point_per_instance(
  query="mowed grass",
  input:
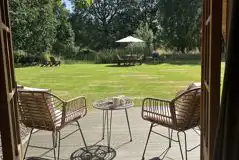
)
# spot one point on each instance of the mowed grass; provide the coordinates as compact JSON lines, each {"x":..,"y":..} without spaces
{"x":96,"y":81}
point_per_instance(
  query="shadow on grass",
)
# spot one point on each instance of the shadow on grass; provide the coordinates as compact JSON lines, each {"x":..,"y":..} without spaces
{"x":178,"y":62}
{"x":171,"y":61}
{"x":119,"y":66}
{"x":184,"y":62}
{"x":96,"y":152}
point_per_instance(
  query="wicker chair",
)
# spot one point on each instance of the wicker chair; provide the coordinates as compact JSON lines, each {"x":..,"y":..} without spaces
{"x":54,"y":62}
{"x":43,"y":110}
{"x":180,"y":114}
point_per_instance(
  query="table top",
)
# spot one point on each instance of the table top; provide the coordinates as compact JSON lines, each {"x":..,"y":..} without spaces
{"x":107,"y":104}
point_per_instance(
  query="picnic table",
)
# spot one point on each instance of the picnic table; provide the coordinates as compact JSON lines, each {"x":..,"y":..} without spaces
{"x":130,"y":59}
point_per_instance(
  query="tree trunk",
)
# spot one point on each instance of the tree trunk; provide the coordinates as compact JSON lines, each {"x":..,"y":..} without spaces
{"x":182,"y":49}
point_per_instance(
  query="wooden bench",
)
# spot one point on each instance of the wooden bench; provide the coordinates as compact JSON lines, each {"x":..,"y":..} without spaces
{"x":121,"y":60}
{"x":138,"y":60}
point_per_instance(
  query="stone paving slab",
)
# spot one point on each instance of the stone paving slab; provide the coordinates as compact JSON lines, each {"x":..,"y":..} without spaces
{"x":122,"y":149}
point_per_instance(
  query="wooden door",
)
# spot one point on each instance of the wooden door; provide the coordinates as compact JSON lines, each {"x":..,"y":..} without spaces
{"x":210,"y":76}
{"x":9,"y":125}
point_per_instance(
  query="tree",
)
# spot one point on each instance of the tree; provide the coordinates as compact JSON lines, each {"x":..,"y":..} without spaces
{"x":179,"y":24}
{"x":64,"y":33}
{"x":33,"y":25}
{"x":99,"y":24}
{"x":146,"y":34}
{"x":148,"y":13}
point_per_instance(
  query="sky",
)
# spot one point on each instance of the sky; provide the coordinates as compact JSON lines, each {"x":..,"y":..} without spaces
{"x":68,"y":4}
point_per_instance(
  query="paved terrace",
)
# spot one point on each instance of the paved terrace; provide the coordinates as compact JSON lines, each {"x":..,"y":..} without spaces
{"x":122,"y":149}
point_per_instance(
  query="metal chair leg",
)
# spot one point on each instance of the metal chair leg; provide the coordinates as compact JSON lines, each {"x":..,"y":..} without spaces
{"x":108,"y":127}
{"x":82,"y":134}
{"x":54,"y":143}
{"x":150,"y":130}
{"x":59,"y":145}
{"x":180,"y":146}
{"x":127,"y":118}
{"x":170,"y":135}
{"x":103,"y":128}
{"x":28,"y":143}
{"x":109,"y":130}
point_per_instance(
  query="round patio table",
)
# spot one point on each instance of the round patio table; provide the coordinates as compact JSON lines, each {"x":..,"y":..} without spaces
{"x":106,"y":105}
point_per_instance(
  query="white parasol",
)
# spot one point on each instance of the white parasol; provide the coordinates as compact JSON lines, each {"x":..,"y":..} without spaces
{"x":129,"y":39}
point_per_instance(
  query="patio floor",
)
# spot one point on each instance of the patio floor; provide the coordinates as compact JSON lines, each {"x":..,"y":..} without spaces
{"x":121,"y":147}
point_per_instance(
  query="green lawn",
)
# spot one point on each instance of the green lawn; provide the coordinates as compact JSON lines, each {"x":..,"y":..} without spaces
{"x":97,"y":81}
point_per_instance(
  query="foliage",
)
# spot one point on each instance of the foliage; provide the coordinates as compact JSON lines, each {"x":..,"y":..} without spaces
{"x":64,"y":34}
{"x":102,"y":23}
{"x":179,"y":24}
{"x":86,"y":54}
{"x":18,"y":55}
{"x":41,"y":26}
{"x":21,"y":58}
{"x":110,"y":55}
{"x":33,"y":25}
{"x":148,"y":13}
{"x":136,"y":48}
{"x":146,"y":34}
{"x":106,"y":56}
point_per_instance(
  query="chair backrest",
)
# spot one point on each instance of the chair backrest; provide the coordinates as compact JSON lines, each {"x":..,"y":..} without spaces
{"x":187,"y":108}
{"x":141,"y":57}
{"x":119,"y":58}
{"x":52,"y":59}
{"x":38,"y":109}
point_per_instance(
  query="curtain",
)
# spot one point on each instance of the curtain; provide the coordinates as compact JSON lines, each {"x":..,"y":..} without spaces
{"x":227,"y":139}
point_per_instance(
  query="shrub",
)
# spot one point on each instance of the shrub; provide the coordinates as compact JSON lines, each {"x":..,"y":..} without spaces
{"x":145,"y":33}
{"x":182,"y":56}
{"x":109,"y":55}
{"x":19,"y":56}
{"x":45,"y":56}
{"x":137,"y":48}
{"x":86,"y":54}
{"x":65,"y":51}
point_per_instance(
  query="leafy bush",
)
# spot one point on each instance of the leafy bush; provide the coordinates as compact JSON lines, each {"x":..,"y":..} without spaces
{"x":181,"y":56}
{"x":86,"y":54}
{"x":106,"y":56}
{"x":45,"y":57}
{"x":137,"y":48}
{"x":63,"y":50}
{"x":19,"y":56}
{"x":146,"y":34}
{"x":109,"y":55}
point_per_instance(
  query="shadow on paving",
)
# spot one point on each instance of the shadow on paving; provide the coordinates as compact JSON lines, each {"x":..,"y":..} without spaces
{"x":155,"y":158}
{"x":37,"y":158}
{"x":96,"y":152}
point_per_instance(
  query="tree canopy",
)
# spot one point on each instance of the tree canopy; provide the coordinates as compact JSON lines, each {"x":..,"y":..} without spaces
{"x":47,"y":25}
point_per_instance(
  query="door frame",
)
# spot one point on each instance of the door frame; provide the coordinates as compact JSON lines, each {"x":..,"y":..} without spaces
{"x":9,"y":122}
{"x":210,"y":74}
